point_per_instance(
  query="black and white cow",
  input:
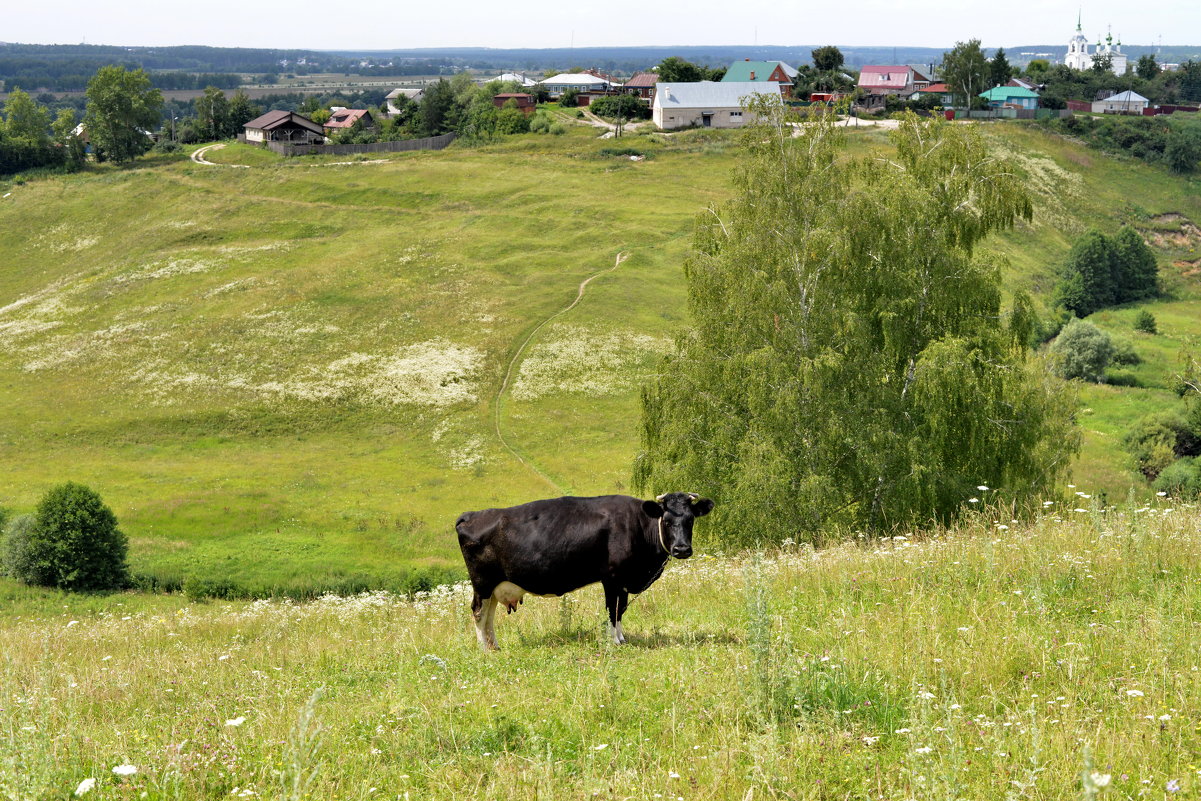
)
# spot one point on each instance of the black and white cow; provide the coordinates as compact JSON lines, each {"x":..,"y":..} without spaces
{"x":552,"y":547}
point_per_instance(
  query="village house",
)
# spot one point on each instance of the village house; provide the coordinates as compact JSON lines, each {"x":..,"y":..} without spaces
{"x":513,"y":77}
{"x":707,"y":104}
{"x":284,"y":126}
{"x":391,"y":97}
{"x":940,"y":90}
{"x":879,"y":81}
{"x":340,"y":119}
{"x":1128,"y":102}
{"x":582,"y":82}
{"x":642,"y":84}
{"x":1010,"y":97}
{"x":777,"y":72}
{"x":525,"y":103}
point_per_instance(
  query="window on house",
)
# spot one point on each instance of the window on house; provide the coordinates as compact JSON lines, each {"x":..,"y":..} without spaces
{"x":735,"y":115}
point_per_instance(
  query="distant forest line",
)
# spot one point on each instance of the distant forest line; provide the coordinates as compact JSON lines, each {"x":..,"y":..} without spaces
{"x":67,"y":68}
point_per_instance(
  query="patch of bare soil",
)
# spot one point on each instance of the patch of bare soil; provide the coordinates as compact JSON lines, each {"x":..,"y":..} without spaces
{"x":1187,"y":235}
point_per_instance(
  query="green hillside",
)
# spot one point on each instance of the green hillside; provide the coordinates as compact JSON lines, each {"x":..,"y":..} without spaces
{"x":289,"y":374}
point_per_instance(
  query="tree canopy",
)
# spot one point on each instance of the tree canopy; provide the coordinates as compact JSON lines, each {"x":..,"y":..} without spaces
{"x":966,"y":71}
{"x":999,"y":70}
{"x":122,"y":109}
{"x":1103,"y":271}
{"x":827,"y":58}
{"x":849,"y":364}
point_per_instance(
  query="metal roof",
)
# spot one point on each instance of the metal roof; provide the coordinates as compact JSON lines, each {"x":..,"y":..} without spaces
{"x":274,"y":119}
{"x":710,"y":94}
{"x":575,"y":79}
{"x":346,"y":117}
{"x":513,"y":76}
{"x":888,"y":76}
{"x":741,"y":71}
{"x":1006,"y":92}
{"x":1127,"y":97}
{"x":642,"y":80}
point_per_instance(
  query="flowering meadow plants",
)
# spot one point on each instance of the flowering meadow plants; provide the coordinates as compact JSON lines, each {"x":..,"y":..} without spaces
{"x":1048,"y":658}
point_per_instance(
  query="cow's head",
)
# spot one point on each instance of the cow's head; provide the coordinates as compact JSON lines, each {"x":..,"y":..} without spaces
{"x":675,"y":512}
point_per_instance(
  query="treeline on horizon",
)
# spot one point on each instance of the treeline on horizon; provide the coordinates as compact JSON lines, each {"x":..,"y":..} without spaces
{"x":67,"y":68}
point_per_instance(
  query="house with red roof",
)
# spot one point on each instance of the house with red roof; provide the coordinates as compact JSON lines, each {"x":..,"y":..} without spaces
{"x":939,"y":90}
{"x":342,"y":118}
{"x":879,"y":81}
{"x":642,"y":84}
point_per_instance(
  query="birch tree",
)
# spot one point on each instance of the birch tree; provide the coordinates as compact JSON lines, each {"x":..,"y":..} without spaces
{"x":849,"y":365}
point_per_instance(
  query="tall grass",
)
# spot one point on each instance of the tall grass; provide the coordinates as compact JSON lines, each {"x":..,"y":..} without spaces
{"x":1054,"y":658}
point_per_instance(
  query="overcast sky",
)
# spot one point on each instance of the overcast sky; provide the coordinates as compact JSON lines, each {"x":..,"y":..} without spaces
{"x":380,"y":24}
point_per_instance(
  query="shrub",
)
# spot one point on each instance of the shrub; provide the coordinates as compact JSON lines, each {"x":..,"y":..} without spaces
{"x":15,"y":561}
{"x":1145,"y":322}
{"x":1125,"y":354}
{"x":1181,"y":479}
{"x":1158,"y":439}
{"x":1082,"y":351}
{"x":73,"y":543}
{"x":558,"y":129}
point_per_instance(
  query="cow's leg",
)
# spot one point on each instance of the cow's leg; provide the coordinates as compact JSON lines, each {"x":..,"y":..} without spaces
{"x":623,"y":602}
{"x":483,"y":610}
{"x":616,"y":600}
{"x":490,"y":624}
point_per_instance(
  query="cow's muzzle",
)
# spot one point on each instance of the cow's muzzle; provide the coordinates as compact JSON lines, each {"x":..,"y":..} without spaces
{"x":681,"y":552}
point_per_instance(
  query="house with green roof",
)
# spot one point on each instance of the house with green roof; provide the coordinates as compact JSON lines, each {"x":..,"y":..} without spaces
{"x":747,"y":71}
{"x":1010,"y":97}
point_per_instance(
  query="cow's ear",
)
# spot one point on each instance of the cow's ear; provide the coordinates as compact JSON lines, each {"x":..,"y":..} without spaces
{"x":701,"y":507}
{"x":652,"y":509}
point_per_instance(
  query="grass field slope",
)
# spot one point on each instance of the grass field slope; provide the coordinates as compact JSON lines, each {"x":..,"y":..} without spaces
{"x":294,"y":374}
{"x":1048,"y":660}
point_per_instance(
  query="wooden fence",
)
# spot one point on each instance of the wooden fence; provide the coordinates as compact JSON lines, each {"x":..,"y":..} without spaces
{"x":404,"y":145}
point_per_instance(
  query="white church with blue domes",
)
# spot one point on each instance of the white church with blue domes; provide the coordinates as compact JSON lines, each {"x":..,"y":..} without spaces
{"x":1078,"y":57}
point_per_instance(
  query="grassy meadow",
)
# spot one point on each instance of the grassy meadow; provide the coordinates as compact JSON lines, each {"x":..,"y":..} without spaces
{"x":1055,"y":658}
{"x":288,"y":377}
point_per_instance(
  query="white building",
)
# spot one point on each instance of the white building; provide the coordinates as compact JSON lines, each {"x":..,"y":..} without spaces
{"x":708,"y":104}
{"x":579,"y":81}
{"x":1128,"y":102}
{"x":512,"y":77}
{"x":1078,"y":57}
{"x":1117,"y":59}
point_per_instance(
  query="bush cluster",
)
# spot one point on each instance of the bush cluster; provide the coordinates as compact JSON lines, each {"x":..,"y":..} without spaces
{"x":1104,"y":271}
{"x":1166,"y":140}
{"x":1082,"y":351}
{"x":71,"y":542}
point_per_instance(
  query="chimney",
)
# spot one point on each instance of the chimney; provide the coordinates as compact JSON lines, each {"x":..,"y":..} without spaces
{"x":746,"y":59}
{"x":752,"y":75}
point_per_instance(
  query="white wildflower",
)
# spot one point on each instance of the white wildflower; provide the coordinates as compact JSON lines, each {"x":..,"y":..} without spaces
{"x":238,"y":721}
{"x":125,"y":770}
{"x":1135,"y":693}
{"x":85,"y":786}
